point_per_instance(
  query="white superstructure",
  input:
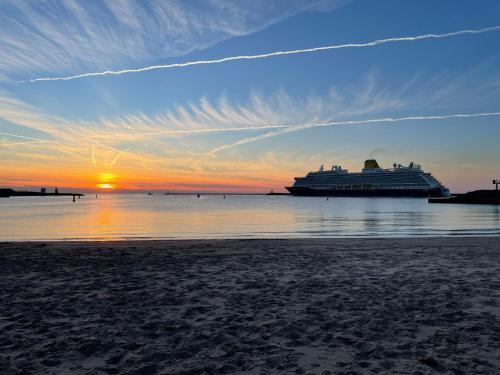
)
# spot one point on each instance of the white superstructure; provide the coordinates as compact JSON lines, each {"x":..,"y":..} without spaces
{"x":400,"y":180}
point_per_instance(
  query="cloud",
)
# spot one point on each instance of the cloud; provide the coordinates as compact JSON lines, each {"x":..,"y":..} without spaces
{"x":269,"y":55}
{"x":177,"y":136}
{"x":70,"y":35}
{"x":182,"y":135}
{"x":18,"y":112}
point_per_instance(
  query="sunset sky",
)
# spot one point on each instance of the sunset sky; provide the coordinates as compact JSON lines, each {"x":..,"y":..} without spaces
{"x":244,"y":125}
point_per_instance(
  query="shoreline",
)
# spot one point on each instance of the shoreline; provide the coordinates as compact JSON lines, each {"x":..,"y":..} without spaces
{"x":256,"y":238}
{"x":316,"y":306}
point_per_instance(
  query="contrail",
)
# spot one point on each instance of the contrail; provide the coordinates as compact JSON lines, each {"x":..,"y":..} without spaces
{"x":293,"y":128}
{"x":22,"y":136}
{"x":92,"y":156}
{"x":272,"y":54}
{"x":115,"y":159}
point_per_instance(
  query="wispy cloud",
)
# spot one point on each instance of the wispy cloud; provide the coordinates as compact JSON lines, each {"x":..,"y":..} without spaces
{"x":259,"y":113}
{"x":70,"y":35}
{"x":174,"y":141}
{"x":177,"y":136}
{"x":204,"y":117}
{"x":271,"y":54}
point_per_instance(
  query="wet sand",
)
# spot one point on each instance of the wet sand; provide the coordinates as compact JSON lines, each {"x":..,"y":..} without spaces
{"x":340,"y":306}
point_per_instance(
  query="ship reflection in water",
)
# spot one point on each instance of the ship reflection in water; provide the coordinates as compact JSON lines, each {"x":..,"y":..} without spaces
{"x":137,"y":216}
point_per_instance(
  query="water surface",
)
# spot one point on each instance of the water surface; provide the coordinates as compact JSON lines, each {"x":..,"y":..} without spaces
{"x":133,"y":216}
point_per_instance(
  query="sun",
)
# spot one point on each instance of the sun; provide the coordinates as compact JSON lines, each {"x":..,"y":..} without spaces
{"x":105,"y":180}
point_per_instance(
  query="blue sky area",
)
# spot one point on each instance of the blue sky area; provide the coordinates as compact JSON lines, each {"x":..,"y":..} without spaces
{"x":123,"y":124}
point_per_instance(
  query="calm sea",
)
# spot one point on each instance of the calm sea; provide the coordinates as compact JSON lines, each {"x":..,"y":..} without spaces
{"x":249,"y":216}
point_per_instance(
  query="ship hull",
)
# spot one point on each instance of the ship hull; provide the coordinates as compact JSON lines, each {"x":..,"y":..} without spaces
{"x":302,"y":191}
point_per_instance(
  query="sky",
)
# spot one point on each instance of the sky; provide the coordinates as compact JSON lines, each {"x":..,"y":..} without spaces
{"x":199,"y":121}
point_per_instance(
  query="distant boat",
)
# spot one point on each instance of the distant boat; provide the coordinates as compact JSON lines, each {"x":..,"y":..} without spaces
{"x":273,"y":193}
{"x":150,"y":193}
{"x":410,"y":181}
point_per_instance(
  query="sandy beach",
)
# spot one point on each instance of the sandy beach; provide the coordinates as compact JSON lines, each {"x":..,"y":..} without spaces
{"x":342,"y":306}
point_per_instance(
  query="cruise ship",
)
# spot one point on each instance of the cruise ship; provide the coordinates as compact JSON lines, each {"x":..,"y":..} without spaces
{"x":399,"y":181}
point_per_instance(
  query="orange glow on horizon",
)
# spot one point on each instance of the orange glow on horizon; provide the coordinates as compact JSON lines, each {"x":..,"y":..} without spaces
{"x":75,"y":178}
{"x":105,"y":186}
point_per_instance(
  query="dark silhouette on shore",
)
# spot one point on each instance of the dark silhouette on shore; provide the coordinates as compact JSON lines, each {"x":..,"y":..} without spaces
{"x":6,"y":193}
{"x":473,"y":197}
